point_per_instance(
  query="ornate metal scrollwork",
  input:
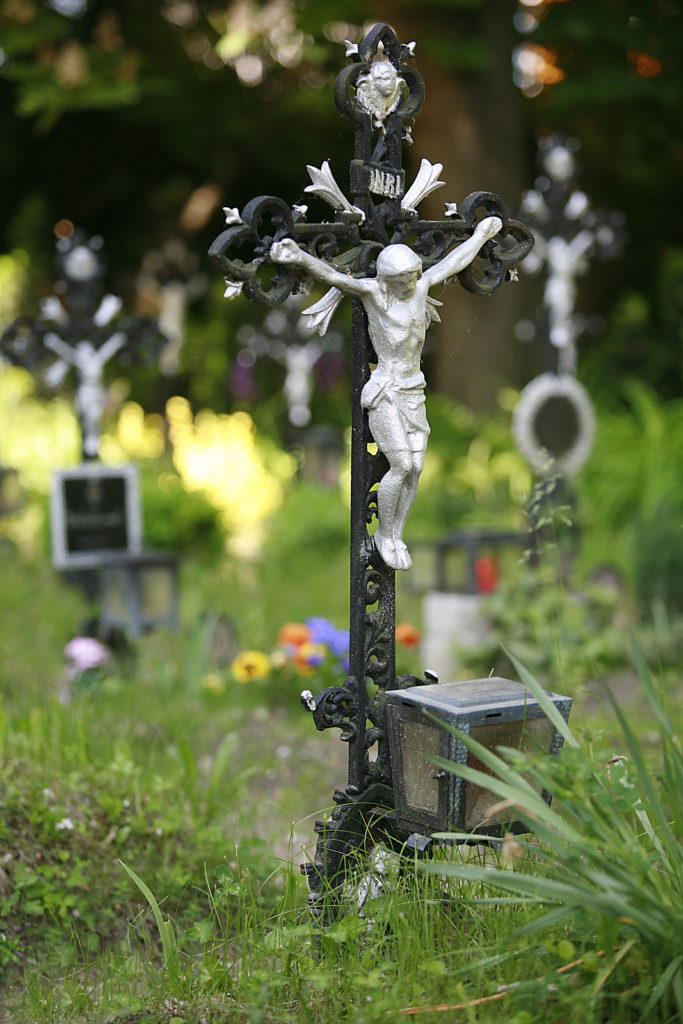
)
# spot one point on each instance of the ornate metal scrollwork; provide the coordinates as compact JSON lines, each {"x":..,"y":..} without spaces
{"x":334,"y":708}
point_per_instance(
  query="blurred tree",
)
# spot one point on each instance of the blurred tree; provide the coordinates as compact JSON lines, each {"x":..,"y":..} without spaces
{"x":610,"y":74}
{"x":138,"y":121}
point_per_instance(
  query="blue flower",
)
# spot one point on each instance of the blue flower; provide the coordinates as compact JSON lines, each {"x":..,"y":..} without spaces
{"x":325,"y":632}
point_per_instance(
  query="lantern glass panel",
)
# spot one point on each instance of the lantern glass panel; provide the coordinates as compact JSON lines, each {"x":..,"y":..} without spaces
{"x":528,"y":736}
{"x":115,"y":595}
{"x":422,"y":576}
{"x":419,"y":741}
{"x":156,"y":593}
{"x":454,"y":570}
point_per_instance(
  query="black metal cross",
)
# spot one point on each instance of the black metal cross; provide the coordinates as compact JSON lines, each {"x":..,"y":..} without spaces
{"x":83,"y":334}
{"x":380,"y":212}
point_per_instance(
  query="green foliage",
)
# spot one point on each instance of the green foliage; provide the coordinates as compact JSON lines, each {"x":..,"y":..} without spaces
{"x":196,"y":795}
{"x":610,"y":857}
{"x":313,"y":519}
{"x":567,"y":634}
{"x":175,"y":519}
{"x":644,"y":337}
{"x":166,"y":932}
{"x":55,"y":610}
{"x":631,"y":494}
{"x":473,"y":474}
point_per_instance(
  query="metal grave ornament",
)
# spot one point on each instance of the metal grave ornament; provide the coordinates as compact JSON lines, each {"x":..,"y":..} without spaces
{"x":84,"y":332}
{"x":554,"y":423}
{"x":288,"y":339}
{"x":379,"y":251}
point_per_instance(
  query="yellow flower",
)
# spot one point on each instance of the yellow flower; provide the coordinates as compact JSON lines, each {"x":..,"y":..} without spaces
{"x":213,"y":682}
{"x":250,"y":665}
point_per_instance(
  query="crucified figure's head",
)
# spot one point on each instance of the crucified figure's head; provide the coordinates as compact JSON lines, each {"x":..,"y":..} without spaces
{"x":399,"y":269}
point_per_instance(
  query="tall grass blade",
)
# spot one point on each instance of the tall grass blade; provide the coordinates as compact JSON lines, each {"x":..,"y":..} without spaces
{"x":166,"y":934}
{"x":542,"y":697}
{"x":667,"y":977}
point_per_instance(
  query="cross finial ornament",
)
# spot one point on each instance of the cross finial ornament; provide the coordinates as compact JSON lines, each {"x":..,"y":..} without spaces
{"x":381,"y":253}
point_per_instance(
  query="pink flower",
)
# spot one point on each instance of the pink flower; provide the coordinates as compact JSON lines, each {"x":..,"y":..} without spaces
{"x":83,"y":653}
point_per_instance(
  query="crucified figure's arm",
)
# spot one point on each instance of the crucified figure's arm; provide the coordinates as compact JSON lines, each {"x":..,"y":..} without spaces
{"x":60,"y":348}
{"x":111,"y":347}
{"x":287,"y":251}
{"x":463,"y":254}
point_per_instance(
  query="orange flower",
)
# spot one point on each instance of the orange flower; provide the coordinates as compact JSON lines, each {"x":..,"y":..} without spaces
{"x":407,"y":635}
{"x":308,"y":656}
{"x":293,"y":634}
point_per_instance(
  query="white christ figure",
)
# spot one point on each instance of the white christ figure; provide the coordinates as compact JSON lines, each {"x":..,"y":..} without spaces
{"x":565,"y":262}
{"x":89,"y":363}
{"x":399,"y":310}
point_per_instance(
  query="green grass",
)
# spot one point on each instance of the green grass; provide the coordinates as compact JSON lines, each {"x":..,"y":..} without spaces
{"x":149,"y":802}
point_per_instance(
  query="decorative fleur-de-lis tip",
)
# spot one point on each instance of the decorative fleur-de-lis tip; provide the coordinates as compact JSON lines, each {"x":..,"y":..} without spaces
{"x":451,"y":209}
{"x":232,"y":215}
{"x":426,"y":181}
{"x":232,"y":288}
{"x":299,"y":210}
{"x":325,"y":186}
{"x":351,"y":48}
{"x":513,"y":274}
{"x":410,"y":47}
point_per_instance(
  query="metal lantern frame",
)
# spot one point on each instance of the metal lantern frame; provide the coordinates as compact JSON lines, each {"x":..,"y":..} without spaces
{"x":469,"y":706}
{"x":123,"y":586}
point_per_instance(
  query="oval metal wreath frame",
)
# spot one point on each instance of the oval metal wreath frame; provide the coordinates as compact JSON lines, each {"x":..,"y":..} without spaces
{"x":534,"y":395}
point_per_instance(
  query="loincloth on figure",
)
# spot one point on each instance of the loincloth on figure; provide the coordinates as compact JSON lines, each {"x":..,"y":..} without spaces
{"x":406,"y":397}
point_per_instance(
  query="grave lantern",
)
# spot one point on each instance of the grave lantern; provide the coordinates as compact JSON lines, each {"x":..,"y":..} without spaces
{"x":455,"y":574}
{"x":139,"y":592}
{"x":495,"y":712}
{"x":323,"y":448}
{"x":466,"y":561}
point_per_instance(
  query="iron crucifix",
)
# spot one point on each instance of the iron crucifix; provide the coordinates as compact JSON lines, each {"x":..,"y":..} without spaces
{"x":382,"y":254}
{"x":84,"y":334}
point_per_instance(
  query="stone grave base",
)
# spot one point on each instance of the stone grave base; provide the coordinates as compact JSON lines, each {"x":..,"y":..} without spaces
{"x":450,"y":621}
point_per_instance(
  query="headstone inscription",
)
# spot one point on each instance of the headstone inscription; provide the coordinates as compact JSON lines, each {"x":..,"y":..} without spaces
{"x":381,"y":253}
{"x":95,"y":514}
